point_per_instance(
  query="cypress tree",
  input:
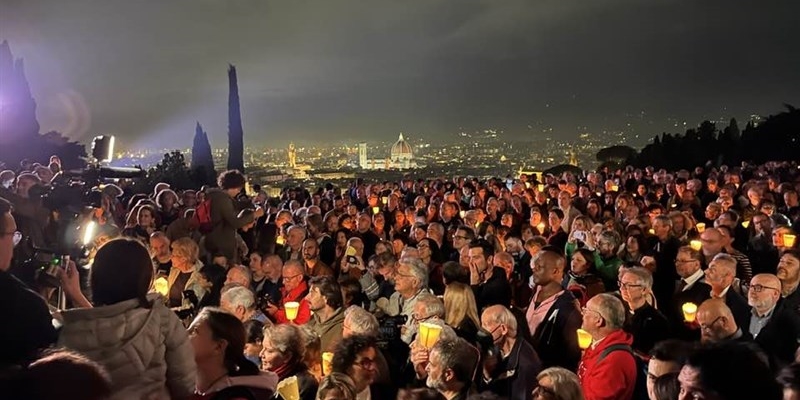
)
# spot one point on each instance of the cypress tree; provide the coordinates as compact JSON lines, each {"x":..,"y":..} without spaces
{"x":202,"y":159}
{"x":235,"y":131}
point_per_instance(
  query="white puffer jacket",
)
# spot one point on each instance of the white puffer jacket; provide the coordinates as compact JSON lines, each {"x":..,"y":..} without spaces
{"x":146,"y":351}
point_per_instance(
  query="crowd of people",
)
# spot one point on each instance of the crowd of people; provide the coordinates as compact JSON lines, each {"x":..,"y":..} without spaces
{"x":629,"y":284}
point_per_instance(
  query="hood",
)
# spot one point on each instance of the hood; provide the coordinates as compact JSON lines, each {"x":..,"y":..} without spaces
{"x":264,"y":380}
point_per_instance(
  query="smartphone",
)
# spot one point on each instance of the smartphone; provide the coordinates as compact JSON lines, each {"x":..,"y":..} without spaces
{"x":579,"y":235}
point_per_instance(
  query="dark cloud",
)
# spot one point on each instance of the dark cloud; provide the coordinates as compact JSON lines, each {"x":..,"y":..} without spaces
{"x":351,"y":69}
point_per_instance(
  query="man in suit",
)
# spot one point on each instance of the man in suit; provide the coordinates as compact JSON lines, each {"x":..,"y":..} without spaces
{"x":224,"y":219}
{"x":720,"y":276}
{"x":691,"y":288}
{"x":775,"y":328}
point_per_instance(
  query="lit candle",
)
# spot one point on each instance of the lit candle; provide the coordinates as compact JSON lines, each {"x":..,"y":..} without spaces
{"x":584,"y":339}
{"x":161,"y":286}
{"x":745,"y":224}
{"x":540,"y":227}
{"x":696,"y":245}
{"x":288,"y":388}
{"x":385,"y":200}
{"x":429,"y":334}
{"x":689,"y":311}
{"x":540,"y":187}
{"x":327,"y":361}
{"x":651,"y":231}
{"x":701,"y":226}
{"x":788,"y":240}
{"x":291,"y":310}
{"x":376,"y":210}
{"x":614,"y":188}
{"x":280,"y":240}
{"x":462,"y":213}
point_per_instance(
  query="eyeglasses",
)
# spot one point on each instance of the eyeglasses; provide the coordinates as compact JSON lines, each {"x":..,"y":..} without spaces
{"x":460,"y":237}
{"x":711,"y":325}
{"x":365,"y":363}
{"x":584,"y":310}
{"x":288,"y":278}
{"x":15,"y":238}
{"x":760,"y":288}
{"x":629,"y":286}
{"x":417,"y":318}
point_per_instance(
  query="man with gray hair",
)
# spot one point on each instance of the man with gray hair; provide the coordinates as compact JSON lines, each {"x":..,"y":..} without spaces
{"x":609,"y":354}
{"x":512,"y":372}
{"x":241,"y":302}
{"x":721,"y":276}
{"x":450,"y":368}
{"x":411,"y":279}
{"x":647,"y":325}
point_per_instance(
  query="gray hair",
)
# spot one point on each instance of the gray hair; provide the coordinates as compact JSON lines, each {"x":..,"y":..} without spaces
{"x":433,"y":305}
{"x":458,"y":356}
{"x":295,"y":264}
{"x":726,"y":260}
{"x":611,"y":309}
{"x":500,"y":314}
{"x":644,"y":276}
{"x":417,"y":268}
{"x":244,"y":270}
{"x":565,"y":383}
{"x":287,"y":339}
{"x":238,"y":295}
{"x":361,"y":321}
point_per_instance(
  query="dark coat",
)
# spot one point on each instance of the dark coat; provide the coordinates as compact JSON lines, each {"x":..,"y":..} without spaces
{"x":28,"y":326}
{"x":515,"y":376}
{"x":697,"y":294}
{"x":739,"y":308}
{"x":648,"y":327}
{"x":555,"y":340}
{"x":779,"y":337}
{"x":496,"y":290}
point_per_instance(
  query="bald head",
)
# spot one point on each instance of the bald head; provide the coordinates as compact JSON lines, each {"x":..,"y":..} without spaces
{"x":551,"y":259}
{"x":716,"y":321}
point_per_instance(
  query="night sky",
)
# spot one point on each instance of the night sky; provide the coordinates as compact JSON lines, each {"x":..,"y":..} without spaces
{"x":330,"y":70}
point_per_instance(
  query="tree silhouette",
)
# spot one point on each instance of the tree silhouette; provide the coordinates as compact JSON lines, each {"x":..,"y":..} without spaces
{"x":235,"y":130}
{"x":616,"y":156}
{"x":202,"y":160}
{"x":172,"y":170}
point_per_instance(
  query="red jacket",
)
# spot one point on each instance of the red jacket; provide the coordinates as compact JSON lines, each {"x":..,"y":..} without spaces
{"x":298,"y":295}
{"x":614,"y":377}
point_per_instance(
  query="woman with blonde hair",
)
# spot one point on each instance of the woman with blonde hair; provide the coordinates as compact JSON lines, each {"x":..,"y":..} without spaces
{"x":461,"y":311}
{"x":185,"y":274}
{"x":559,"y":384}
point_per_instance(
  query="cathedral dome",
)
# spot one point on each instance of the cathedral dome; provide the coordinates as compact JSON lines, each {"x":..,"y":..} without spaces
{"x":401,"y":149}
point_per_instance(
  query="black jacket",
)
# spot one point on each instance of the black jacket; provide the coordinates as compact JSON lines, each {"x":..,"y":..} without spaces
{"x":28,"y":326}
{"x":515,"y":376}
{"x":739,"y":308}
{"x":779,"y":337}
{"x":648,"y":327}
{"x":496,"y":290}
{"x":555,"y":340}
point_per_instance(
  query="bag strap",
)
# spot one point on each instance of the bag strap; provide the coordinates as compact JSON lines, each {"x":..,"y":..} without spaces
{"x":616,"y":347}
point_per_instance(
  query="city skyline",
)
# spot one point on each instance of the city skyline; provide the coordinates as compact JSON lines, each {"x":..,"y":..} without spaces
{"x":348,"y":72}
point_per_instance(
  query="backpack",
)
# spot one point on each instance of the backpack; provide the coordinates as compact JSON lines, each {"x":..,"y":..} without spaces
{"x":202,"y":217}
{"x":640,"y":387}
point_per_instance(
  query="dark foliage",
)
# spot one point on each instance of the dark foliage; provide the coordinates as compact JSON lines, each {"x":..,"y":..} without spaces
{"x":235,"y":130}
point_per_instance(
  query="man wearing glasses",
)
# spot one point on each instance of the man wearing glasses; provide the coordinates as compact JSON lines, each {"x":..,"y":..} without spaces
{"x":775,"y":328}
{"x":691,"y":288}
{"x":29,"y":326}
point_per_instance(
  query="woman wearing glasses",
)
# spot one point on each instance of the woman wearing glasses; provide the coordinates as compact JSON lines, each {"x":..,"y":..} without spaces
{"x":355,"y":357}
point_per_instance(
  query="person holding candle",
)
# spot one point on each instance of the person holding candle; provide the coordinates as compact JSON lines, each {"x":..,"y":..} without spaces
{"x":609,"y":354}
{"x":295,"y":289}
{"x":282,"y":352}
{"x":717,"y":323}
{"x":691,"y":288}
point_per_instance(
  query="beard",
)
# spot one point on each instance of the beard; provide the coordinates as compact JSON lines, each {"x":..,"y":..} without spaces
{"x":436,"y":384}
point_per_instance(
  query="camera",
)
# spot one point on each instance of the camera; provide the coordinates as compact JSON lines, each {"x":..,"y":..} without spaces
{"x":389,"y":328}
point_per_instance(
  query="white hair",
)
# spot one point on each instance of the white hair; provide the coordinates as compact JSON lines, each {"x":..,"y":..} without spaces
{"x":240,"y":296}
